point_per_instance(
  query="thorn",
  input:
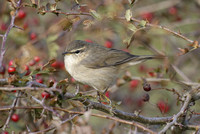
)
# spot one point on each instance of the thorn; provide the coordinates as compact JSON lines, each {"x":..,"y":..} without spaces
{"x":18,"y":27}
{"x":28,"y":129}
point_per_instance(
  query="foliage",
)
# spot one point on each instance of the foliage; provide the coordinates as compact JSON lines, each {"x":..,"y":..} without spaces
{"x":38,"y":95}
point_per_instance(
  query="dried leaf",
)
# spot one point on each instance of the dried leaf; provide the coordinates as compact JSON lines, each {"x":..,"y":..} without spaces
{"x":132,"y":1}
{"x":77,"y":18}
{"x":53,"y":7}
{"x":183,"y":51}
{"x":48,"y":63}
{"x":195,"y":44}
{"x":41,"y":10}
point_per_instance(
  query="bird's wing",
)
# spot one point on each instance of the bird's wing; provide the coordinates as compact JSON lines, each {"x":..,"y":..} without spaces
{"x":110,"y":57}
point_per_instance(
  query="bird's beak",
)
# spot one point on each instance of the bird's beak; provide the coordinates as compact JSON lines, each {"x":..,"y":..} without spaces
{"x":66,"y":53}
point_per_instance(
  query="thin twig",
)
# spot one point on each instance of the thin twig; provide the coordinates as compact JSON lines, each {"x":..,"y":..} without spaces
{"x":190,"y":127}
{"x":29,"y":88}
{"x":118,"y":120}
{"x":13,"y":16}
{"x":181,"y":112}
{"x":11,"y":110}
{"x":68,"y":14}
{"x":164,"y":28}
{"x":46,"y":107}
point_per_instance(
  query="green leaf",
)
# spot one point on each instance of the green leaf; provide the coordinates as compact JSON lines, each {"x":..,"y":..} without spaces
{"x":142,"y":23}
{"x":132,"y":27}
{"x":128,"y":15}
{"x":95,"y":14}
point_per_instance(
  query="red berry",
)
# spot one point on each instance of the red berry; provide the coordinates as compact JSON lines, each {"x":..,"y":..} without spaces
{"x":37,"y":58}
{"x":108,"y":44}
{"x":178,"y":18}
{"x":45,"y":95}
{"x":107,"y":94}
{"x":87,"y":40}
{"x":172,"y":11}
{"x":27,"y":70}
{"x":152,"y":74}
{"x":33,"y":36}
{"x":163,"y":106}
{"x":21,"y":14}
{"x":2,"y":70}
{"x":11,"y":70}
{"x":37,"y":75}
{"x":56,"y":64}
{"x":11,"y":62}
{"x":147,"y":16}
{"x":26,"y":67}
{"x":3,"y":27}
{"x":62,"y":65}
{"x":32,"y":62}
{"x":14,"y":91}
{"x":5,"y":132}
{"x":40,"y":80}
{"x":146,"y":87}
{"x":134,"y":83}
{"x":15,"y":117}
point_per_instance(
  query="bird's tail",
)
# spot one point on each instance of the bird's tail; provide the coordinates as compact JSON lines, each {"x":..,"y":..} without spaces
{"x":142,"y":58}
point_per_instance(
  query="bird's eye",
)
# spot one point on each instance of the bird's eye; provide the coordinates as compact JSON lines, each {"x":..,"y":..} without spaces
{"x":77,"y":51}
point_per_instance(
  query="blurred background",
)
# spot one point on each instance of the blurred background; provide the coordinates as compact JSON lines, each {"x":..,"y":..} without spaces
{"x":47,"y":33}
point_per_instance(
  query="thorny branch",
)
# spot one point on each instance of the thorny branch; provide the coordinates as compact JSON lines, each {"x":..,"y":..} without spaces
{"x":181,"y":112}
{"x":12,"y":25}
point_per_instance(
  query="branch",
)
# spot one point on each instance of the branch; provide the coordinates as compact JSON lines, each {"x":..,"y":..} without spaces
{"x":29,"y":88}
{"x":120,"y":114}
{"x":46,"y":107}
{"x":68,"y":14}
{"x":13,"y":16}
{"x":164,"y":28}
{"x":11,"y":111}
{"x":181,"y":112}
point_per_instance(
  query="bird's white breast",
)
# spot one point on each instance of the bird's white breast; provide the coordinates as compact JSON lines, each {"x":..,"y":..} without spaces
{"x":101,"y":78}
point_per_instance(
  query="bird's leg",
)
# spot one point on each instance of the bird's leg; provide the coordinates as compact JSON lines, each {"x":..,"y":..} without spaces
{"x":77,"y":89}
{"x":99,"y":96}
{"x":104,"y":92}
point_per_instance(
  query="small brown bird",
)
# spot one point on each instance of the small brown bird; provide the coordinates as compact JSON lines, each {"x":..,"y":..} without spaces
{"x":96,"y":65}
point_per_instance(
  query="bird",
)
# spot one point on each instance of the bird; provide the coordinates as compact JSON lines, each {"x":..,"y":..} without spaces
{"x":96,"y":65}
